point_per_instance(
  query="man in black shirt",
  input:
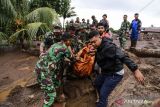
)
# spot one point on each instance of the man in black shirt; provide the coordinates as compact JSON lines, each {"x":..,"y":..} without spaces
{"x":110,"y":58}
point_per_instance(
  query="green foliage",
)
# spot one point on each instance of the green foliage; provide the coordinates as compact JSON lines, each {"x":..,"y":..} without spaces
{"x":54,"y":4}
{"x":62,"y":7}
{"x":7,"y":8}
{"x":44,"y":15}
{"x":34,"y":28}
{"x":22,"y":7}
{"x":27,"y":19}
{"x":3,"y":36}
{"x":19,"y":34}
{"x":30,"y":32}
{"x":7,"y":13}
{"x":20,"y":22}
{"x":66,"y":11}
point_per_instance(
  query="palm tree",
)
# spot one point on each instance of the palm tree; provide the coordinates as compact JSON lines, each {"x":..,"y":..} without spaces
{"x":26,"y":24}
{"x":7,"y":13}
{"x":66,"y":10}
{"x":68,"y":13}
{"x":3,"y":36}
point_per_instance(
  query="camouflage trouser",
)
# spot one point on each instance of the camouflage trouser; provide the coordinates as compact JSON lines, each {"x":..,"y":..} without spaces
{"x":48,"y":82}
{"x":122,"y":41}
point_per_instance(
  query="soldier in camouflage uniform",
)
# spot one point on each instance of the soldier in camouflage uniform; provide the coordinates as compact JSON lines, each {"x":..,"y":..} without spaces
{"x":83,"y":34}
{"x":124,"y":31}
{"x":78,"y":20}
{"x":88,"y":24}
{"x":94,"y":21}
{"x":49,"y":69}
{"x":51,"y":38}
{"x":76,"y":43}
{"x":84,"y":24}
{"x":74,"y":30}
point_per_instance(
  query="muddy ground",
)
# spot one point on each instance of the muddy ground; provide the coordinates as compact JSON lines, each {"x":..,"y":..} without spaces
{"x":16,"y":69}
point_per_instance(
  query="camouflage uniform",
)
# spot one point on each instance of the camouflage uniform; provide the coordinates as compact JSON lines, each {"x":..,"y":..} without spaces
{"x":88,"y":25}
{"x":76,"y":43}
{"x":84,"y":25}
{"x":49,"y":39}
{"x":55,"y":38}
{"x":95,"y":22}
{"x":49,"y":71}
{"x":123,"y":36}
{"x":83,"y":35}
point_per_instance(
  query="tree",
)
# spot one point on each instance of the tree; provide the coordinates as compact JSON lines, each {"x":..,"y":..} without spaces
{"x":62,"y":7}
{"x":54,"y":4}
{"x":3,"y":36}
{"x":39,"y":20}
{"x":17,"y":15}
{"x":29,"y":32}
{"x":67,"y":11}
{"x":7,"y":13}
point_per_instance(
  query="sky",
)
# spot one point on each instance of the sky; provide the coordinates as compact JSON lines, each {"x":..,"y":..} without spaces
{"x":149,"y":10}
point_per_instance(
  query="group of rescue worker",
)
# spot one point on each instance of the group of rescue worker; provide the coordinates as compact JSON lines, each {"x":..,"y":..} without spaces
{"x":61,"y":47}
